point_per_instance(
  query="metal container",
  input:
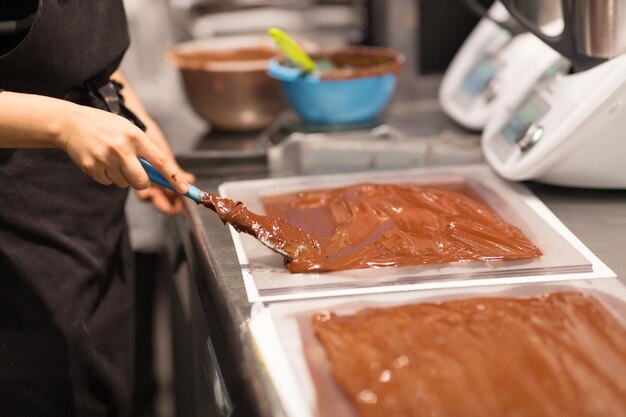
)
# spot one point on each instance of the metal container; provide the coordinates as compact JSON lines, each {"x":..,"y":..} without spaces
{"x":592,"y":31}
{"x":226,"y":83}
{"x":545,"y":14}
{"x":596,"y":23}
{"x":602,"y":27}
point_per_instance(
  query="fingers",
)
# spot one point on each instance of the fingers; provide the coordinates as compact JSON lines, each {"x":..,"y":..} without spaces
{"x":106,"y":147}
{"x":113,"y":170}
{"x":116,"y":176}
{"x":189,"y":177}
{"x":165,"y":165}
{"x":100,"y":177}
{"x":177,"y":206}
{"x":163,"y":200}
{"x":135,"y":174}
{"x":96,"y":171}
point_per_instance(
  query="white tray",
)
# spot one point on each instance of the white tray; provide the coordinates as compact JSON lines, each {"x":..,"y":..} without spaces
{"x":279,"y":331}
{"x":565,"y":257}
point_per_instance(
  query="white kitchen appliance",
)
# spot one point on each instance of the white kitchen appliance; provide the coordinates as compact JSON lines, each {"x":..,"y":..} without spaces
{"x":493,"y":62}
{"x":571,"y":128}
{"x":472,"y":69}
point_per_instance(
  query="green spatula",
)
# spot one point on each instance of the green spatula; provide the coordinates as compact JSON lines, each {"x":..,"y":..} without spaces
{"x":292,"y":50}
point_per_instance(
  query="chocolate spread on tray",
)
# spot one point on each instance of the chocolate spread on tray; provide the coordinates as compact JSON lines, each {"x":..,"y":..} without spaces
{"x":375,"y":225}
{"x":273,"y":231}
{"x":561,"y":354}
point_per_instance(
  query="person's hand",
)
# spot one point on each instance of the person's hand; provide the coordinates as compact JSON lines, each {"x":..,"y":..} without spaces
{"x":165,"y":201}
{"x":106,"y":146}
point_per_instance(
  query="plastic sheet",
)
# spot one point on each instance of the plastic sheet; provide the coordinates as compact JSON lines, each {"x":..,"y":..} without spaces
{"x":565,"y":257}
{"x":297,"y":362}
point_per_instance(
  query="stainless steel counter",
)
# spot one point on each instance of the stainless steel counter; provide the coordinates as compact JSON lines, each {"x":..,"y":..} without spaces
{"x":597,"y":217}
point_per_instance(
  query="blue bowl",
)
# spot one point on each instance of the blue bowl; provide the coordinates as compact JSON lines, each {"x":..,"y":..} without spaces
{"x":343,"y":101}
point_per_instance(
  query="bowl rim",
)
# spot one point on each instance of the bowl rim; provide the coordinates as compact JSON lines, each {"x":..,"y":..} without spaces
{"x":394,"y":66}
{"x":176,"y":53}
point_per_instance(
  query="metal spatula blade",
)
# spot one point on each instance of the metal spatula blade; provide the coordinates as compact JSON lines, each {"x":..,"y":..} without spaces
{"x":273,"y":232}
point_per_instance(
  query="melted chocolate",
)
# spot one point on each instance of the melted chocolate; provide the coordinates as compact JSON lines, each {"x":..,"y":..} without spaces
{"x":359,"y":62}
{"x":375,"y":225}
{"x":274,"y":232}
{"x":562,"y":354}
{"x":348,"y":63}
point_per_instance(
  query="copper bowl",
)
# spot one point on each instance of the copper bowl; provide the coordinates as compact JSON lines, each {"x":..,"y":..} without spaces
{"x":226,"y":82}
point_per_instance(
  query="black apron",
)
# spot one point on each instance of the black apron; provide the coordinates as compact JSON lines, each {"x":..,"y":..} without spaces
{"x":65,"y":272}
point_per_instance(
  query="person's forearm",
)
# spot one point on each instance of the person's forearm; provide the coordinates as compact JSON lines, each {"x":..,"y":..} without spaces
{"x":103,"y":145}
{"x":134,"y":104}
{"x":30,"y":121}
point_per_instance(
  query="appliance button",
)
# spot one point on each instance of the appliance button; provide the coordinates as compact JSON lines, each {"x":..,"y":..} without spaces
{"x":491,"y":89}
{"x":531,"y":136}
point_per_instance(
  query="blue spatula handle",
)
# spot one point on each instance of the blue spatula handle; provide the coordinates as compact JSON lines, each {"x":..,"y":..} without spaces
{"x":155,"y":176}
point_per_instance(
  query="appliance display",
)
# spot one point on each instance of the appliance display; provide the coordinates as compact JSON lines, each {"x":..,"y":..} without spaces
{"x":493,"y":69}
{"x":479,"y":78}
{"x":472,"y":69}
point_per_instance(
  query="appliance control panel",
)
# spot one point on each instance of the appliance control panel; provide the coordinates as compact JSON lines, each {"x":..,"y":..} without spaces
{"x":522,"y":130}
{"x":480,"y":78}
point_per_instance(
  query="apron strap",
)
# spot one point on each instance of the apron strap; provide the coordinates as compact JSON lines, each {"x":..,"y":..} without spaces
{"x":105,"y":96}
{"x":15,"y":27}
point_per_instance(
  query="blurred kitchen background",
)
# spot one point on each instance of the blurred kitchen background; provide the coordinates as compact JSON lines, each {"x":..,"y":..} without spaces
{"x":428,"y":32}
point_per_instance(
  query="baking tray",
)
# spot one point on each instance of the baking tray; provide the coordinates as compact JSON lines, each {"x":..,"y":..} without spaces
{"x":565,"y":257}
{"x":280,"y":328}
{"x":381,"y":148}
